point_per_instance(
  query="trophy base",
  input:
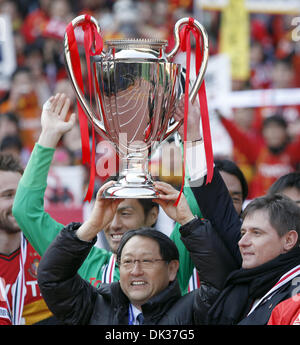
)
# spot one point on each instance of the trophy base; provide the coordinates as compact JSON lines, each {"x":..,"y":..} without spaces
{"x":121,"y":191}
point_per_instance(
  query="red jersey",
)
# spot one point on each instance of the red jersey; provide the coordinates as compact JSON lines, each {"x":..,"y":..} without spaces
{"x":286,"y":312}
{"x":268,"y":166}
{"x":35,"y":308}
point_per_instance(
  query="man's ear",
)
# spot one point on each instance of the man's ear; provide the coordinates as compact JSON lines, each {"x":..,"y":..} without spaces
{"x":291,"y":239}
{"x":152,"y":216}
{"x":173,"y":269}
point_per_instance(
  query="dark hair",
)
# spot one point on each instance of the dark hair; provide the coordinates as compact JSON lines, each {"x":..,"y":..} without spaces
{"x":167,"y":247}
{"x":286,"y":181}
{"x":278,"y":119}
{"x":147,"y":204}
{"x":11,"y":141}
{"x":284,"y":213}
{"x":19,"y":70}
{"x":231,"y":168}
{"x":10,"y":116}
{"x":9,"y":163}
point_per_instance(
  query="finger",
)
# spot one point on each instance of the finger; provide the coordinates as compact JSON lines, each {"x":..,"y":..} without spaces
{"x":116,"y":202}
{"x":102,"y":189}
{"x":164,"y":187}
{"x":72,"y":120}
{"x":60,"y":103}
{"x":178,"y":116}
{"x":159,"y":200}
{"x":168,"y":197}
{"x":68,"y":125}
{"x":65,"y":109}
{"x":48,"y":105}
{"x":54,"y":102}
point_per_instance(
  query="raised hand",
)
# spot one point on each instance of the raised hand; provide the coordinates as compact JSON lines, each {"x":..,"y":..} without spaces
{"x":181,"y":213}
{"x":53,"y":120}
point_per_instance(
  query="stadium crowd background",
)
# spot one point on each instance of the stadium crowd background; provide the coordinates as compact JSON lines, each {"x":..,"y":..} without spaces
{"x":38,"y":29}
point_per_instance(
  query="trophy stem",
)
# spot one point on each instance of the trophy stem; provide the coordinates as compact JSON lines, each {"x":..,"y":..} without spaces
{"x":135,"y":181}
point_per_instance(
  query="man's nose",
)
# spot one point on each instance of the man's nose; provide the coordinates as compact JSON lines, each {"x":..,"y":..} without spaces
{"x":116,"y":223}
{"x":244,"y":241}
{"x":137,"y":268}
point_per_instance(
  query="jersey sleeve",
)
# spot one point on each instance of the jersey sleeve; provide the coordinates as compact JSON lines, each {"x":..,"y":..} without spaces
{"x":28,"y":209}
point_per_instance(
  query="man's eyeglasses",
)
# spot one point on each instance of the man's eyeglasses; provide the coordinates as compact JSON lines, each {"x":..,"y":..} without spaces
{"x":129,"y":264}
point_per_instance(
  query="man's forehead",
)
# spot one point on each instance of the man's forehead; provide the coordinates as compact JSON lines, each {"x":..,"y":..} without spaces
{"x":256,"y":218}
{"x":9,"y":180}
{"x":293,"y":193}
{"x":140,"y":245}
{"x":128,"y":203}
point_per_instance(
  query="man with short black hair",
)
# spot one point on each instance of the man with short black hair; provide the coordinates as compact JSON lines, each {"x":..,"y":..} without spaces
{"x":235,"y":182}
{"x":148,"y":262}
{"x":288,"y":185}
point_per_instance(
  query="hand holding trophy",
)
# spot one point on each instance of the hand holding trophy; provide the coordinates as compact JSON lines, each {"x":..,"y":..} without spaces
{"x":136,"y":88}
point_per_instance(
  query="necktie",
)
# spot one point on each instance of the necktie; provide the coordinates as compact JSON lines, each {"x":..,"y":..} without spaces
{"x":140,"y":318}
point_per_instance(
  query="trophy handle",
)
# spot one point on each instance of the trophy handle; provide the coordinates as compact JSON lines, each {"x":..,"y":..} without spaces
{"x":196,"y":86}
{"x":80,"y":96}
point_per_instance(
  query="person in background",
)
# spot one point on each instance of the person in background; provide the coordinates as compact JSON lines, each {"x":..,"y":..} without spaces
{"x":288,"y":185}
{"x":243,"y":118}
{"x":9,"y":124}
{"x":235,"y":182}
{"x":12,"y":144}
{"x":275,"y":157}
{"x":23,"y":101}
{"x":18,"y":259}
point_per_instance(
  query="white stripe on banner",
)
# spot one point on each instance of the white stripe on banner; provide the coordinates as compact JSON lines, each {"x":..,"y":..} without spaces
{"x":193,"y":282}
{"x":257,"y":98}
{"x":108,"y":271}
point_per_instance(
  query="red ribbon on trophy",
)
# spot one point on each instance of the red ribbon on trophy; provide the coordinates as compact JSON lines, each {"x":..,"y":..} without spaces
{"x":91,"y":39}
{"x":185,"y":46}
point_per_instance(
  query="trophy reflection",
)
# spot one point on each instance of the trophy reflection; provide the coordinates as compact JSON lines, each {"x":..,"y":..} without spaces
{"x":137,"y":87}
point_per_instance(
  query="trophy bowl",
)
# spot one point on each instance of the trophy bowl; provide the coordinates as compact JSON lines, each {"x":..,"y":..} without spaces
{"x":136,"y":87}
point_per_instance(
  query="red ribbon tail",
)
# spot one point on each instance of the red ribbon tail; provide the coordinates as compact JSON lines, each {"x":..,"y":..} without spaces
{"x":206,"y":133}
{"x":90,"y":35}
{"x":83,"y":123}
{"x":186,"y":112}
{"x":185,"y":46}
{"x":90,"y":190}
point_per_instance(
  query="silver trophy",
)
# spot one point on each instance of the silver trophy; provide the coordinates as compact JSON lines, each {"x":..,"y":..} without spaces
{"x":137,"y":87}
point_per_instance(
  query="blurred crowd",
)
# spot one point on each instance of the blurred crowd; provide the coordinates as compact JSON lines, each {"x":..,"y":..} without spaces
{"x":38,"y":30}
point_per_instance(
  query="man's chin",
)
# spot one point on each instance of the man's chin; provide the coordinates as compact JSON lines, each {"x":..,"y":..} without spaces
{"x":114,"y":247}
